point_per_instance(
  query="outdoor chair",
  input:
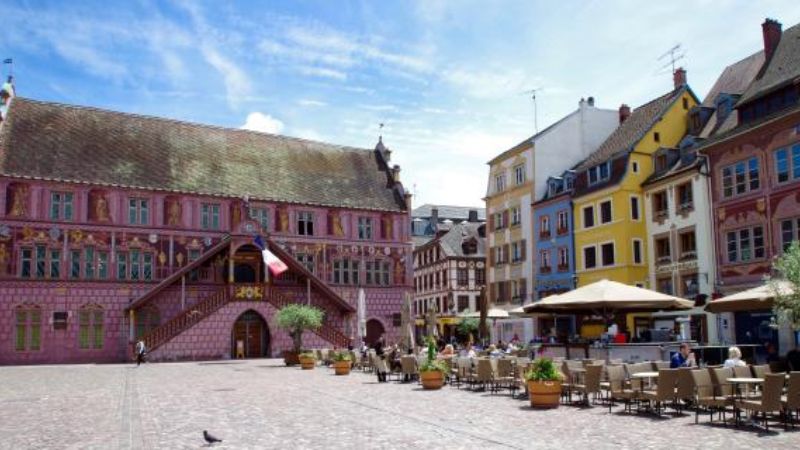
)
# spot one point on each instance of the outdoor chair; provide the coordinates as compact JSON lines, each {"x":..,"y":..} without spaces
{"x":483,"y":373}
{"x":684,"y":391}
{"x":658,"y":365}
{"x":320,"y":357}
{"x":590,"y":383}
{"x":770,"y":400}
{"x":720,"y":377}
{"x":760,"y":371}
{"x":665,"y":390}
{"x":742,"y":372}
{"x":791,"y":401}
{"x":616,"y":388}
{"x":705,"y":396}
{"x":409,"y":369}
{"x":505,"y":375}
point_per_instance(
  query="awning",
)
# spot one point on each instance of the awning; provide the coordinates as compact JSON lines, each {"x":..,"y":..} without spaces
{"x":758,"y":298}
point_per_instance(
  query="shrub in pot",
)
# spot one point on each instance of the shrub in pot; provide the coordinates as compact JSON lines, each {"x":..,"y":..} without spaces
{"x":342,"y":362}
{"x":307,"y":360}
{"x":432,"y":371}
{"x":544,"y":383}
{"x":296,"y":319}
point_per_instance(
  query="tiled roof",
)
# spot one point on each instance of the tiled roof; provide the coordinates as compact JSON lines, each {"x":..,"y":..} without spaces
{"x":448,"y":212}
{"x":782,"y":69}
{"x":631,"y":131}
{"x":736,"y":131}
{"x":681,"y":166}
{"x":460,"y":233}
{"x":82,"y":144}
{"x":733,"y":80}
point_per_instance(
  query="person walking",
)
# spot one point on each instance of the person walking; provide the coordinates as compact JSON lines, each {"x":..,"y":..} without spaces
{"x":380,"y":354}
{"x":141,"y":350}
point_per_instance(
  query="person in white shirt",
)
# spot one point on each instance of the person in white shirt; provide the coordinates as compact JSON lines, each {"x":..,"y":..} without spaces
{"x":734,"y":358}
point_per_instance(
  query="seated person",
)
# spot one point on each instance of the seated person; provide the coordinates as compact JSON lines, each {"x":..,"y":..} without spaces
{"x":683,"y":358}
{"x":734,"y":358}
{"x":447,"y":353}
{"x":494,"y":352}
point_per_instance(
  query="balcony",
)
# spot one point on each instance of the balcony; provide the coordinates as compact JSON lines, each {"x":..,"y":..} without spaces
{"x":562,"y":231}
{"x":688,"y":256}
{"x":544,"y":235}
{"x":664,"y":259}
{"x":661,"y":215}
{"x":563,"y":267}
{"x":685,"y":208}
{"x":545,"y":269}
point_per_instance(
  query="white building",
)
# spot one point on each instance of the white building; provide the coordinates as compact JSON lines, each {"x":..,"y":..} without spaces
{"x":516,"y":179}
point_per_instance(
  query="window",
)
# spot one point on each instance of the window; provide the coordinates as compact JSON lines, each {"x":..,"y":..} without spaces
{"x":663,"y":251}
{"x":365,"y":228}
{"x":599,"y":173}
{"x":788,"y":166}
{"x":607,"y":252}
{"x":656,"y":137}
{"x":516,"y":216}
{"x":740,"y":178}
{"x":122,"y":266}
{"x":589,"y":257}
{"x":685,"y":201}
{"x":563,"y":259}
{"x":745,"y":244}
{"x":90,"y":328}
{"x":307,"y":260}
{"x":305,"y":223}
{"x":635,"y":208}
{"x":517,"y":251}
{"x":462,"y":277}
{"x":637,"y":251}
{"x":688,"y":245}
{"x":138,"y":211}
{"x":26,"y":256}
{"x":790,"y":231}
{"x":377,"y":272}
{"x":28,"y":333}
{"x":664,"y":285}
{"x":60,"y":206}
{"x":544,"y":227}
{"x":463,"y":303}
{"x":191,"y":256}
{"x":55,"y":264}
{"x":75,"y":264}
{"x":544,"y":261}
{"x":588,"y":217}
{"x":147,"y":319}
{"x":480,"y":277}
{"x":605,"y":212}
{"x":102,"y":265}
{"x":209,"y":216}
{"x":135,"y":264}
{"x":260,"y":215}
{"x":519,"y":174}
{"x":660,"y":205}
{"x":499,"y":183}
{"x":635,"y":167}
{"x":689,"y":285}
{"x":500,"y":255}
{"x":88,"y":265}
{"x":345,"y":271}
{"x":41,"y":260}
{"x":499,"y":221}
{"x":563,"y":222}
{"x":147,"y":266}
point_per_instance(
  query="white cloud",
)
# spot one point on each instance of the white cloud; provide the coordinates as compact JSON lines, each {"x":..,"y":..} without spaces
{"x":307,"y":133}
{"x":258,"y":121}
{"x":237,"y":84}
{"x":311,"y":103}
{"x":322,"y":72}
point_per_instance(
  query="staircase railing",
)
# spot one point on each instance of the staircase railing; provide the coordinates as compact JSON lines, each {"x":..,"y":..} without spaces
{"x":186,"y":319}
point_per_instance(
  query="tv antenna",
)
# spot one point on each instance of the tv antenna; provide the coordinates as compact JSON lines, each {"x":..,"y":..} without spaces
{"x":676,"y":53}
{"x":532,"y":93}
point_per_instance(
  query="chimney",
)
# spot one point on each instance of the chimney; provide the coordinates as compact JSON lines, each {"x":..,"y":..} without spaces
{"x":590,"y":101}
{"x":771,"y":30}
{"x":434,"y":216}
{"x":473,"y":215}
{"x":624,"y":113}
{"x":396,"y":173}
{"x":679,"y":77}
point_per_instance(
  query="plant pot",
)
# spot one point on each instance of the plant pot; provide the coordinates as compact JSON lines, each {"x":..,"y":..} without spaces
{"x":432,"y":379}
{"x":544,"y":394}
{"x":291,"y":358}
{"x":341,"y":367}
{"x":307,"y":363}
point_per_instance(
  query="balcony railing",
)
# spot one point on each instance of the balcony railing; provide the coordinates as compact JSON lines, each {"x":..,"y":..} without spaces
{"x":562,"y":231}
{"x":545,"y":269}
{"x":660,"y":215}
{"x":686,"y":256}
{"x":544,"y":235}
{"x":665,"y":259}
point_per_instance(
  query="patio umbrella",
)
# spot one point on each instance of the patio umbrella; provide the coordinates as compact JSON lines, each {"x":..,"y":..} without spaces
{"x":406,"y":324}
{"x":483,"y":329}
{"x":491,"y":313}
{"x":758,"y":298}
{"x":608,"y":296}
{"x":361,"y":311}
{"x":431,"y":320}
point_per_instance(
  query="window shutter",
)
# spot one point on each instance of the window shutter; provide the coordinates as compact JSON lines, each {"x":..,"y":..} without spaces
{"x":522,"y":250}
{"x":505,"y":219}
{"x":523,"y":289}
{"x":505,"y":253}
{"x":491,"y":222}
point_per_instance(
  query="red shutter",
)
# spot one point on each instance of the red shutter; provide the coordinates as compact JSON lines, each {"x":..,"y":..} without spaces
{"x":523,"y":289}
{"x":505,"y":219}
{"x":491,"y":222}
{"x":522,"y":250}
{"x":505,"y":253}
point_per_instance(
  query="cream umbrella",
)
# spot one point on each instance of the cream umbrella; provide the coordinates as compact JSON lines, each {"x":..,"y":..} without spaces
{"x":433,"y":330}
{"x":757,"y":298}
{"x":491,"y":313}
{"x":406,"y":324}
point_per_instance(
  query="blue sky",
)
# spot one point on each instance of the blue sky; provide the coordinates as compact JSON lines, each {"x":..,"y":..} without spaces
{"x":445,"y":77}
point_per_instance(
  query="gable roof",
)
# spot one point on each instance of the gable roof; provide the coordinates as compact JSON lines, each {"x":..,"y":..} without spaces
{"x":82,"y":144}
{"x":625,"y":137}
{"x":448,"y":211}
{"x":781,"y":70}
{"x":734,"y":80}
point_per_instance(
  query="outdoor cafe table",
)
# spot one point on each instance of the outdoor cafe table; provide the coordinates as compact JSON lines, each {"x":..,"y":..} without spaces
{"x":643,"y":375}
{"x":736,"y":382}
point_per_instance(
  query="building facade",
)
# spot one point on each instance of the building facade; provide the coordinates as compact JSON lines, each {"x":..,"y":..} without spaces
{"x":118,"y":227}
{"x":427,"y":220}
{"x":553,"y":232}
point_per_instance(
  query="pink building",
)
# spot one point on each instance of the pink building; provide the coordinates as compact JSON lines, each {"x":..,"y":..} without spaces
{"x":116,"y":227}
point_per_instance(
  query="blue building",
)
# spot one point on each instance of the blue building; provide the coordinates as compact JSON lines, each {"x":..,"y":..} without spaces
{"x":554,"y":269}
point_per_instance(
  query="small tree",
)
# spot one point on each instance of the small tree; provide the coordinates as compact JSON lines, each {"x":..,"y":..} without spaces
{"x":297,"y":318}
{"x":787,"y":303}
{"x":468,"y":326}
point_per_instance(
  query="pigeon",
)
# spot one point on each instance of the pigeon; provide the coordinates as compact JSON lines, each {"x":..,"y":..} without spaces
{"x":210,"y":439}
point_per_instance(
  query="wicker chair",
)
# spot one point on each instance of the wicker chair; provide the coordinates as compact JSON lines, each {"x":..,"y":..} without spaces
{"x":685,"y":388}
{"x":742,"y":372}
{"x":504,"y":375}
{"x":590,"y":384}
{"x":665,"y":390}
{"x":770,"y":400}
{"x":791,"y":401}
{"x":760,"y":371}
{"x":483,"y":373}
{"x":408,"y":367}
{"x":705,"y":396}
{"x":616,"y":388}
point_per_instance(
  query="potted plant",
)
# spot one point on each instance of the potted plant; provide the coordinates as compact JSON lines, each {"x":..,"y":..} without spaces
{"x":307,"y":360}
{"x":544,"y":383}
{"x":432,"y":371}
{"x":342,"y":362}
{"x":295,"y":319}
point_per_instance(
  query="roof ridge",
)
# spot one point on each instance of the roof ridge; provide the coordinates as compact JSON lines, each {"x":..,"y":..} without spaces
{"x":184,"y":122}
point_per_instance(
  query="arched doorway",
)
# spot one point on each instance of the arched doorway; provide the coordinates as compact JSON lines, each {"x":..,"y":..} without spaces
{"x":247,"y":264}
{"x":250,"y":336}
{"x":374,"y":331}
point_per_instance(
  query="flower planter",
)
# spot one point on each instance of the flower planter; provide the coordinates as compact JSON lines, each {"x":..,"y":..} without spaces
{"x":432,"y":379}
{"x":307,"y":363}
{"x":341,"y":367}
{"x":544,"y":394}
{"x":291,"y":358}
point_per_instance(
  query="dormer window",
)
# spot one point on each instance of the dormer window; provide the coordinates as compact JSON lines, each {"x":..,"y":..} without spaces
{"x":599,"y":173}
{"x":661,"y":162}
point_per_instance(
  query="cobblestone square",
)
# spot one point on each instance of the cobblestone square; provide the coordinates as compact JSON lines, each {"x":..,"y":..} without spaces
{"x":262,"y":404}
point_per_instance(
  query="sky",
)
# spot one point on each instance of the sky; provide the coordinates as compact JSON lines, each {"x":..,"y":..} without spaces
{"x":447,"y":79}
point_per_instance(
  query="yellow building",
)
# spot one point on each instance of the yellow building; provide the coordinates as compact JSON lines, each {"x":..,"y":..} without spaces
{"x":608,"y":206}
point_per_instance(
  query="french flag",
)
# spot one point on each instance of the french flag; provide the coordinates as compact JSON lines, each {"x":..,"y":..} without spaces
{"x":276,"y":266}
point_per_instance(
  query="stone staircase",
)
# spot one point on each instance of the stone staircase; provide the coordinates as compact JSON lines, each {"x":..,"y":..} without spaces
{"x":326,"y":331}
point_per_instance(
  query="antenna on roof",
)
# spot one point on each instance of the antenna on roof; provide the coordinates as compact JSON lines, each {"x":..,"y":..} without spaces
{"x":532,"y":93}
{"x":380,"y":131}
{"x":676,"y":53}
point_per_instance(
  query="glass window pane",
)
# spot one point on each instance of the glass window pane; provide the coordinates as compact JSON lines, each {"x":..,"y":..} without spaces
{"x":41,"y":261}
{"x":782,"y":165}
{"x":144,"y":213}
{"x":68,"y":206}
{"x":753,"y":172}
{"x":21,"y":328}
{"x":796,"y":161}
{"x":102,"y":265}
{"x":75,"y":264}
{"x":55,"y":264}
